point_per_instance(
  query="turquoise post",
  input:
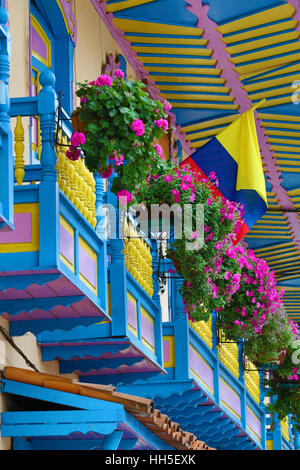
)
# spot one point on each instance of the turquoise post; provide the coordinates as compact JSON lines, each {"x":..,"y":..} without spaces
{"x":215,"y":350}
{"x":48,"y":188}
{"x":6,"y":150}
{"x":262,"y":406}
{"x":242,"y":380}
{"x":181,"y":334}
{"x":156,"y":298}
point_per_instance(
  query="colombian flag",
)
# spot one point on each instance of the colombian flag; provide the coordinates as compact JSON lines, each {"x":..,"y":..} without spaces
{"x":234,"y":156}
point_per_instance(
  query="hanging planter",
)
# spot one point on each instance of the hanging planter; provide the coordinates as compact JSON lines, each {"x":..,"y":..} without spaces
{"x":200,"y":222}
{"x":121,"y":126}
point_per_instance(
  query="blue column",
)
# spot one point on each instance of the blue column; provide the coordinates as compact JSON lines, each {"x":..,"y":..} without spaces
{"x":216,"y":370}
{"x":277,"y":441}
{"x":181,"y":335}
{"x":242,"y":380}
{"x":48,"y":188}
{"x":262,"y":406}
{"x":6,"y":150}
{"x":158,"y":318}
{"x":118,"y":288}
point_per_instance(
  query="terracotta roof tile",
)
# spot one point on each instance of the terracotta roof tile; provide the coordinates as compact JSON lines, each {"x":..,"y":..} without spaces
{"x":141,"y":408}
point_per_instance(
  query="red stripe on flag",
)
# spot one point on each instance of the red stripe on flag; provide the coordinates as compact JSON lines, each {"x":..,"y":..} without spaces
{"x":215,"y":193}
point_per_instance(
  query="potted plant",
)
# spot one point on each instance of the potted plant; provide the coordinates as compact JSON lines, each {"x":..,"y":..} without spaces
{"x":283,"y":384}
{"x":117,"y":127}
{"x":206,"y":220}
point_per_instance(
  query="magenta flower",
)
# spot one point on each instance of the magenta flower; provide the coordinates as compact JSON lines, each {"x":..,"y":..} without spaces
{"x":78,"y":138}
{"x":104,"y":80}
{"x":193,"y":197}
{"x":107,"y":172}
{"x":212,"y":175}
{"x":227,"y":275}
{"x":138,"y":127}
{"x":118,"y":73}
{"x":158,"y":150}
{"x":73,"y":154}
{"x":124,"y":197}
{"x":168,"y":178}
{"x":209,"y":201}
{"x":162,"y":124}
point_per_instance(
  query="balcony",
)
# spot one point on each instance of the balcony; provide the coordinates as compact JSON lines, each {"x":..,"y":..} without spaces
{"x":207,"y":388}
{"x":89,"y":303}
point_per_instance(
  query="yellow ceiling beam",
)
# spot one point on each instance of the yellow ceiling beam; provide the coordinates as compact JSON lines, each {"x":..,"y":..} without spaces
{"x":186,"y":51}
{"x":263,"y":42}
{"x":258,"y":32}
{"x":213,"y":122}
{"x":251,"y":21}
{"x":147,"y":27}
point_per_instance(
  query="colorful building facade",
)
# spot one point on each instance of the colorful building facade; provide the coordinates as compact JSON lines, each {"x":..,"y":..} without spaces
{"x":99,"y":356}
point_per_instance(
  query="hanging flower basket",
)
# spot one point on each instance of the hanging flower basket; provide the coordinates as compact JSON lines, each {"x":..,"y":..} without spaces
{"x":121,"y":126}
{"x":200,"y":222}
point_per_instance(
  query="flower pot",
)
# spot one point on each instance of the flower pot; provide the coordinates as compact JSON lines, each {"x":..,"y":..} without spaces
{"x":77,"y":123}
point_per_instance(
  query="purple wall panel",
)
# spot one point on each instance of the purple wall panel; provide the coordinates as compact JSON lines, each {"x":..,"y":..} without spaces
{"x":147,"y":330}
{"x":253,"y":422}
{"x":166,"y":349}
{"x":230,"y":398}
{"x":38,"y":44}
{"x":131,"y":314}
{"x":201,"y":369}
{"x":87,"y":267}
{"x":22,"y":232}
{"x":66,"y":244}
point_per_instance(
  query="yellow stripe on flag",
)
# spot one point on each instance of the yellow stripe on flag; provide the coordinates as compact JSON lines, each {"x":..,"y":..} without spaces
{"x":240,"y":141}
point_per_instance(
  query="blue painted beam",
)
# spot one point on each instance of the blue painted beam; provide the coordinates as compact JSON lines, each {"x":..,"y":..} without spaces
{"x":117,"y":379}
{"x":67,"y":444}
{"x":79,"y":332}
{"x":19,"y":328}
{"x":15,"y":306}
{"x":67,"y":367}
{"x":27,"y":106}
{"x":59,"y":423}
{"x":56,"y":396}
{"x":68,"y":352}
{"x":24,"y":281}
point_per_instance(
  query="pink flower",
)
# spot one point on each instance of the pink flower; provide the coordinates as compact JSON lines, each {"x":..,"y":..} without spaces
{"x":209,"y":201}
{"x":73,"y":154}
{"x":83,"y":99}
{"x":212,"y":175}
{"x":168,"y":178}
{"x":210,"y":236}
{"x":78,"y":138}
{"x":162,"y":123}
{"x":118,"y":73}
{"x":104,"y":80}
{"x":195,"y":234}
{"x":227,"y":275}
{"x":138,"y":127}
{"x":119,"y":160}
{"x":193,"y":197}
{"x":124,"y":197}
{"x":158,"y":150}
{"x":236,"y":278}
{"x":107,"y":173}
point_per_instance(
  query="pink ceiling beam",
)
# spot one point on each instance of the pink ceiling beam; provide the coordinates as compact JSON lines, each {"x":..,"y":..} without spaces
{"x":137,"y":66}
{"x":241,"y":98}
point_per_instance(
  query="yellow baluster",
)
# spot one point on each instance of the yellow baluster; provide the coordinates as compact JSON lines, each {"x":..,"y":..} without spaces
{"x":19,"y":151}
